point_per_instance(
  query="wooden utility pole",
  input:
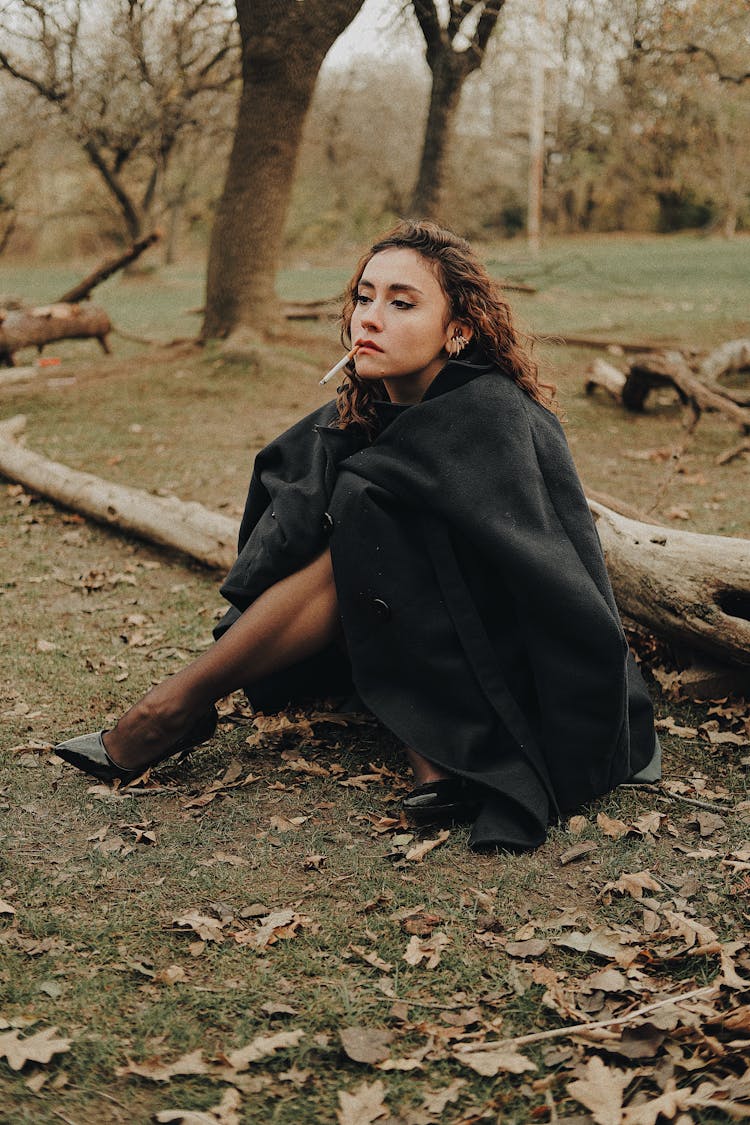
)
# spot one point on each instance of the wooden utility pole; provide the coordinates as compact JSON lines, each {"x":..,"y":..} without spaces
{"x":536,"y":133}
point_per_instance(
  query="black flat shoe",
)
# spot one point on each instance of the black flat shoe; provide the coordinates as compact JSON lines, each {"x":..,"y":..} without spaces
{"x":452,"y":800}
{"x":88,"y":753}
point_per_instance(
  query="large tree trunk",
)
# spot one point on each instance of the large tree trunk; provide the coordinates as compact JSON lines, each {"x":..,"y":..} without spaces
{"x":454,"y":49}
{"x":27,"y":328}
{"x":694,"y":588}
{"x":445,"y":95}
{"x":284,"y":43}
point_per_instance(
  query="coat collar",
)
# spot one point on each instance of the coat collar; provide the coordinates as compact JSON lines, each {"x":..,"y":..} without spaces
{"x":456,"y":373}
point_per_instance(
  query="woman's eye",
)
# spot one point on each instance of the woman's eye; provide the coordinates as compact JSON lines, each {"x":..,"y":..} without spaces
{"x":361,"y":299}
{"x":402,"y":305}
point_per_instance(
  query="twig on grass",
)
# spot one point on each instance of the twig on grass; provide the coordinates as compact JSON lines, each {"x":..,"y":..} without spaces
{"x":577,"y":1028}
{"x":712,"y":806}
{"x":150,"y":342}
{"x":63,"y":1117}
{"x":101,"y":1095}
{"x":674,"y":462}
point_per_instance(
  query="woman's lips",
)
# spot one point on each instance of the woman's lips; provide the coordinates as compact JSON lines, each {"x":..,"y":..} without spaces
{"x":367,"y":346}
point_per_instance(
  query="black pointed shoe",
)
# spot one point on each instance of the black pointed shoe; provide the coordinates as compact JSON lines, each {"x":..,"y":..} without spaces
{"x":88,"y":753}
{"x":451,"y":800}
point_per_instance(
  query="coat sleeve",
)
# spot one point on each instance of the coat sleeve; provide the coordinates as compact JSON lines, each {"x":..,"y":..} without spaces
{"x":283,"y":526}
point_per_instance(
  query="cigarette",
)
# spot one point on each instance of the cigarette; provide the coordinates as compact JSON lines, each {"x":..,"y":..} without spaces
{"x":339,"y":366}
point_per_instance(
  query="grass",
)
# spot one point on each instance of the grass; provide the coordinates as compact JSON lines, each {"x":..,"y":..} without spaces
{"x":89,"y":618}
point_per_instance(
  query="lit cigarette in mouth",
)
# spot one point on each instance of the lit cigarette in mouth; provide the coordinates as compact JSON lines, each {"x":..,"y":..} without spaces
{"x":339,"y":366}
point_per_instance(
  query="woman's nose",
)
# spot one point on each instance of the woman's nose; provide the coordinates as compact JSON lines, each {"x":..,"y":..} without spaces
{"x":371,"y":317}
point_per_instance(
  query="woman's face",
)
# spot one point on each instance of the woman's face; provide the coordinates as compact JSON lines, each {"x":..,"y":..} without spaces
{"x":401,"y":323}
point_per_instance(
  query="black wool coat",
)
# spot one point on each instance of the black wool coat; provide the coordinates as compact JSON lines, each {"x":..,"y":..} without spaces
{"x":480,"y":622}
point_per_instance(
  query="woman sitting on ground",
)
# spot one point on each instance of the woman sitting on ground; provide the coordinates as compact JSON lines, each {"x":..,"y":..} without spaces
{"x":426,"y":538}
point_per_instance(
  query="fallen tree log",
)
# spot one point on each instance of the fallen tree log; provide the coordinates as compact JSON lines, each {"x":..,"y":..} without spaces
{"x":669,"y":368}
{"x":693,"y":588}
{"x":36,"y":327}
{"x":599,"y":373}
{"x":689,"y":587}
{"x":185,"y":526}
{"x":734,"y":355}
{"x":610,"y":345}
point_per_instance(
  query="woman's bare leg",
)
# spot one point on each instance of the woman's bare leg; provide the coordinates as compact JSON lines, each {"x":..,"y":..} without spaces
{"x":293,"y":619}
{"x":423,"y":769}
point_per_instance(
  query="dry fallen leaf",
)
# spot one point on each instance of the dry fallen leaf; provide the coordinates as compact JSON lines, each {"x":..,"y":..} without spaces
{"x":262,"y":1046}
{"x":707,"y":823}
{"x":532,"y":947}
{"x":612,"y":827}
{"x":633,"y":884}
{"x":577,"y":851}
{"x":267,"y":933}
{"x":602,"y":943}
{"x":671,"y":727}
{"x":372,"y":958}
{"x":157,"y":1071}
{"x":363,"y":1105}
{"x":435,"y":1101}
{"x":692,"y":932}
{"x":207,"y":928}
{"x":428,"y":949}
{"x":419,"y":851}
{"x":39,"y":1047}
{"x":600,"y":1091}
{"x":365,"y":1044}
{"x":489,"y":1059}
{"x":225,"y":1113}
{"x":172,"y":974}
{"x":577,"y":824}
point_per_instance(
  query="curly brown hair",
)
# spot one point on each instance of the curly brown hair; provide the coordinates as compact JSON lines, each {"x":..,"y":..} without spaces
{"x":473,"y":297}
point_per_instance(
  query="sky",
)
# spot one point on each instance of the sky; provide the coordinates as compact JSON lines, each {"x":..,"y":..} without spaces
{"x":379,"y":29}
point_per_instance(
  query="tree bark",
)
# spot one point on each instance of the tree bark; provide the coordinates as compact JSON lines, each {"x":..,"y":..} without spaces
{"x":607,"y":376}
{"x":647,"y":371}
{"x":26,"y":328}
{"x":693,"y":588}
{"x":284,"y":43}
{"x":451,"y":61}
{"x":445,"y":94}
{"x":80,"y":291}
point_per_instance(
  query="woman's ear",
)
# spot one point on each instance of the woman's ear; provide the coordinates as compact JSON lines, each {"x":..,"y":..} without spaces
{"x":459,"y":334}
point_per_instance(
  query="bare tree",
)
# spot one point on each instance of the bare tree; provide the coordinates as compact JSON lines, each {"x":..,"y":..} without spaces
{"x":455,"y":47}
{"x":284,"y":43}
{"x":127,"y":79}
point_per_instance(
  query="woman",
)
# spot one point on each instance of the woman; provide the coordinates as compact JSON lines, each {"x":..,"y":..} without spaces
{"x":428,"y":536}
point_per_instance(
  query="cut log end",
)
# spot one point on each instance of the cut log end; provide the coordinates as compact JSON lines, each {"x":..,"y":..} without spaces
{"x":37,"y":327}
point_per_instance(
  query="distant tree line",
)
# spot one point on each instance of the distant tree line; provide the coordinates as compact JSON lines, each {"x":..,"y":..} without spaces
{"x":205,"y":115}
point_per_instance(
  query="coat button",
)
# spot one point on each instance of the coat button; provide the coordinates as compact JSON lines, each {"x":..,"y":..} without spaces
{"x":327,"y":523}
{"x":381,"y":609}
